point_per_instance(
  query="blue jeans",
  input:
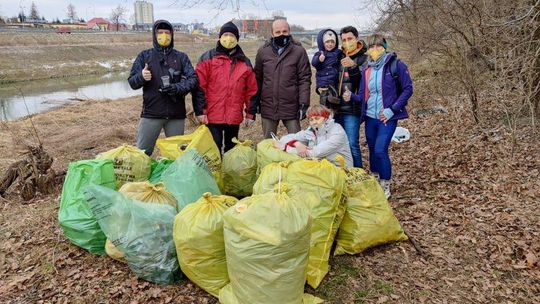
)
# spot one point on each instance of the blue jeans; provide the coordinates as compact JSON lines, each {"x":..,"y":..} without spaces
{"x":378,"y":136}
{"x":351,"y":125}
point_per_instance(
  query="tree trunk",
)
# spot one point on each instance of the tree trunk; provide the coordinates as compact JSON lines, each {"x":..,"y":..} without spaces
{"x":473,"y":97}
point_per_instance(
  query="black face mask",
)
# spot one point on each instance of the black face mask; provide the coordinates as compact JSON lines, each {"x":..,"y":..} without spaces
{"x":282,"y":40}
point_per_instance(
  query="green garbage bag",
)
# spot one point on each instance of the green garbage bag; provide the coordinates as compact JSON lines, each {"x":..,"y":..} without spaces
{"x":188,"y":178}
{"x":158,"y":168}
{"x":270,"y":176}
{"x":198,"y":235}
{"x":321,"y":187}
{"x":239,"y":169}
{"x":143,"y":192}
{"x":75,"y":217}
{"x":267,"y":245}
{"x":266,"y":154}
{"x":142,"y":231}
{"x":369,"y":220}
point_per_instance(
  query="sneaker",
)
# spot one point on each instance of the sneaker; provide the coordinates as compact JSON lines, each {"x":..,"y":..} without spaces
{"x":385,"y":185}
{"x":375,"y":174}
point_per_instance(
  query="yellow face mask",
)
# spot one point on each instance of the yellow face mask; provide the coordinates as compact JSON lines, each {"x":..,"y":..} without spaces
{"x":350,"y":45}
{"x":375,"y":54}
{"x":228,"y":42}
{"x":164,"y":39}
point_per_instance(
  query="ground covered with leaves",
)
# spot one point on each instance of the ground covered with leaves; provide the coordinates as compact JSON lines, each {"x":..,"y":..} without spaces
{"x":469,"y":195}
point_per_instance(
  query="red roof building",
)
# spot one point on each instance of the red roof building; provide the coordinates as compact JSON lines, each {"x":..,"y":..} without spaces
{"x":98,"y":24}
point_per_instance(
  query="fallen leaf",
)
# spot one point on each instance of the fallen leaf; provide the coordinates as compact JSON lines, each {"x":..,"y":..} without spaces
{"x":531,"y":259}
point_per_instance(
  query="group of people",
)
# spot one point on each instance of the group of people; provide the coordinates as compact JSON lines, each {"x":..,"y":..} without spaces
{"x":359,"y":82}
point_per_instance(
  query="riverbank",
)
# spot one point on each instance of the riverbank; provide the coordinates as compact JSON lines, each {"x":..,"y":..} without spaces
{"x":33,"y":56}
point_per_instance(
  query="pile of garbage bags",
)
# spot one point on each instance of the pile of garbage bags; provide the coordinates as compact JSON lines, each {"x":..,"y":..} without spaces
{"x":249,"y":226}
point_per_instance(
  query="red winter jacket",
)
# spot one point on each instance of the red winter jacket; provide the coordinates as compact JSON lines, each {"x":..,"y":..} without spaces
{"x":228,"y":84}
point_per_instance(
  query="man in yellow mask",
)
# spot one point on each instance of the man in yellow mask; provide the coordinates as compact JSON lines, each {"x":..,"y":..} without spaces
{"x":348,"y":114}
{"x":165,"y":76}
{"x":227,"y":87}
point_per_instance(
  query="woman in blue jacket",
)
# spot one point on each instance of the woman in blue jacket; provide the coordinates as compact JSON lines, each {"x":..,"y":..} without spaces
{"x":385,"y":89}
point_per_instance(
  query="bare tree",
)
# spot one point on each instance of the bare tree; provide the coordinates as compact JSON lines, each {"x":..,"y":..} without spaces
{"x":117,"y":16}
{"x":34,"y":14}
{"x":220,"y":5}
{"x":71,"y":12}
{"x":489,"y":48}
{"x":297,"y":28}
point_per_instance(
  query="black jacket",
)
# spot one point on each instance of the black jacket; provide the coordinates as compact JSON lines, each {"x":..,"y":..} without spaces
{"x":351,"y":79}
{"x":163,"y":61}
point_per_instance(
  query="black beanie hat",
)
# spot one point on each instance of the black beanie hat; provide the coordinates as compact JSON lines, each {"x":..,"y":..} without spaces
{"x":231,"y":28}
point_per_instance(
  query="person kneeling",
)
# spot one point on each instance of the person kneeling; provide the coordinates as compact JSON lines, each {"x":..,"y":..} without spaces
{"x":324,"y":138}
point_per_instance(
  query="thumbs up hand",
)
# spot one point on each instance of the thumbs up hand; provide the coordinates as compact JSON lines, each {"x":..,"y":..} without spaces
{"x":347,"y":94}
{"x":146,"y":74}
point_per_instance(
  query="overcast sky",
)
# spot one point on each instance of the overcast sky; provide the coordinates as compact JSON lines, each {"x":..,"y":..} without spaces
{"x":308,"y":13}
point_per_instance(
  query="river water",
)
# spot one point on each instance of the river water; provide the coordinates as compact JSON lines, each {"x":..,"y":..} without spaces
{"x":24,"y":98}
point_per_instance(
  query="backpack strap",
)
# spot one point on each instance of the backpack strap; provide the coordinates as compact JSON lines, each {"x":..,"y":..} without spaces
{"x":395,"y":75}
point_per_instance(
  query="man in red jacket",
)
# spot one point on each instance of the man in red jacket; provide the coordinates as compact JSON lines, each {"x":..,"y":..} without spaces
{"x":227,"y":84}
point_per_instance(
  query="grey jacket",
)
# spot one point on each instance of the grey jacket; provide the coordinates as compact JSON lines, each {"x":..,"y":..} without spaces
{"x":327,"y":142}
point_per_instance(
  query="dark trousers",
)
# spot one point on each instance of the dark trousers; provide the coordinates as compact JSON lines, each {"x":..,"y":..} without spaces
{"x":270,"y":126}
{"x":224,"y":133}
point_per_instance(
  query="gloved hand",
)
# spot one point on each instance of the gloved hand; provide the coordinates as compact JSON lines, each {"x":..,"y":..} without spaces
{"x":302,"y":111}
{"x":170,"y":90}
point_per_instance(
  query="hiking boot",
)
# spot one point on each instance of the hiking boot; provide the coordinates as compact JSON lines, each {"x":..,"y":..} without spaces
{"x":385,"y":185}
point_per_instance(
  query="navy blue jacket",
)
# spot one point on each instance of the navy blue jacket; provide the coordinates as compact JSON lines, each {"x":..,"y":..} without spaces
{"x":163,"y":61}
{"x":328,"y":70}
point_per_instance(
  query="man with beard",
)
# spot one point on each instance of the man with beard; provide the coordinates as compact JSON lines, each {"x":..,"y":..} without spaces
{"x":349,"y":114}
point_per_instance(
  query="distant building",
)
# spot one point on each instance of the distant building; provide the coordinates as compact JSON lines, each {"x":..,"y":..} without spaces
{"x":144,"y":14}
{"x":179,"y":27}
{"x":259,"y":27}
{"x":98,"y":24}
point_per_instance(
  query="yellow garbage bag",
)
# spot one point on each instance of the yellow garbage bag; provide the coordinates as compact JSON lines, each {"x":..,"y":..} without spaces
{"x":114,"y":252}
{"x":369,"y":220}
{"x":321,"y":187}
{"x":267,"y":246}
{"x":144,"y":192}
{"x":266,"y":154}
{"x":147,"y":192}
{"x":270,"y":176}
{"x":201,"y":140}
{"x":310,"y":299}
{"x":130,"y":164}
{"x":239,"y":169}
{"x":227,"y":294}
{"x":198,"y":236}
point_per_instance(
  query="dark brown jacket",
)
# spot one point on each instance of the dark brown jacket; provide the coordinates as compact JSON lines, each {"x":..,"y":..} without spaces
{"x":284,"y":81}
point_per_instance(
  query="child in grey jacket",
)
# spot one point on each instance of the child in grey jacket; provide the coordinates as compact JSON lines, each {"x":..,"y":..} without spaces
{"x":324,"y":138}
